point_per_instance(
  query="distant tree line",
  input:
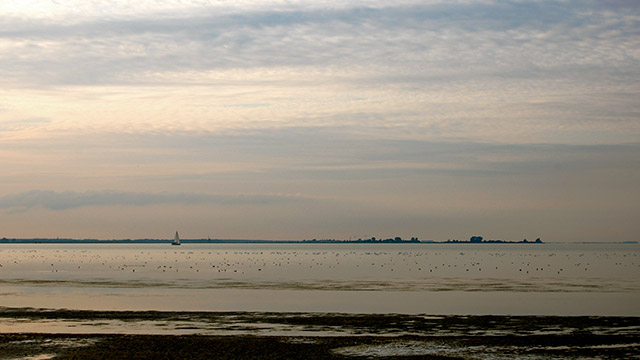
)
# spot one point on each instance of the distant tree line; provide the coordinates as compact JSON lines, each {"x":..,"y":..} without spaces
{"x":397,"y":239}
{"x":480,"y":240}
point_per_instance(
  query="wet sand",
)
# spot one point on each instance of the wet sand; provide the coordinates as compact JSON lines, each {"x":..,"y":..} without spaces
{"x":328,"y":336}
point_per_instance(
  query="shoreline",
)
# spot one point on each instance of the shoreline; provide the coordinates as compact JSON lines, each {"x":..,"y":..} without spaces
{"x":255,"y":335}
{"x":318,"y":323}
{"x":250,"y":241}
{"x":69,"y":241}
{"x":119,"y":346}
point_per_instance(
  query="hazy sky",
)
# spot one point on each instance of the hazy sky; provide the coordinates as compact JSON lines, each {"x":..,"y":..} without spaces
{"x":320,"y":119}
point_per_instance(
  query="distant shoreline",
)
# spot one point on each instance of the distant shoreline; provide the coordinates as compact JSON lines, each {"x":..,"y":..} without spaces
{"x":143,"y":241}
{"x":249,"y":241}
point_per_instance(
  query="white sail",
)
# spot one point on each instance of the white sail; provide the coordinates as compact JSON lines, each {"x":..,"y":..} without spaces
{"x":176,"y":239}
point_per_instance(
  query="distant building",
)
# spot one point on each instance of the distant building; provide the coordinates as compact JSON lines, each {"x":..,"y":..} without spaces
{"x":476,"y":239}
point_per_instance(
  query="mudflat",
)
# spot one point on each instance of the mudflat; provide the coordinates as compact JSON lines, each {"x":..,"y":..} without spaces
{"x":250,"y":335}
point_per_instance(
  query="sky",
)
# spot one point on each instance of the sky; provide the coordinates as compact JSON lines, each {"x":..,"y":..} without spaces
{"x":320,"y":119}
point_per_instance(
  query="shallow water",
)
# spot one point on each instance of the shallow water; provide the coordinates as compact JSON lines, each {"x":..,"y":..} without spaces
{"x":543,"y":279}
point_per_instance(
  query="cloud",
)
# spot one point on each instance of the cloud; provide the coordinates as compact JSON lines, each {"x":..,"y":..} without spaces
{"x":246,"y":158}
{"x":478,"y":70}
{"x":53,"y":200}
{"x":22,"y":124}
{"x":404,"y":40}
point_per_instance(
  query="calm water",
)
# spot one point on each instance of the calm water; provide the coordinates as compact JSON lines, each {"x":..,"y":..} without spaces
{"x":500,"y":279}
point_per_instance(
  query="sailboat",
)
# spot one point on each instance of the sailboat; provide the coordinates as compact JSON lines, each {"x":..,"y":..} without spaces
{"x":176,"y":239}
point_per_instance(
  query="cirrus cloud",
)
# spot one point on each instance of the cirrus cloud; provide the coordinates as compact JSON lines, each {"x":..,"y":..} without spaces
{"x":54,"y":200}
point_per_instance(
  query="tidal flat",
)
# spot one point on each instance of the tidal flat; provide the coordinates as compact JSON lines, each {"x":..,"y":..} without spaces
{"x":256,"y":335}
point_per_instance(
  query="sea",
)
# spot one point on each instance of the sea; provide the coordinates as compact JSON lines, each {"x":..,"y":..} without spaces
{"x":423,"y":278}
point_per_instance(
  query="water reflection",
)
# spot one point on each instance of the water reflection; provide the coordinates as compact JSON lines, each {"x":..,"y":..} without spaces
{"x":409,"y":278}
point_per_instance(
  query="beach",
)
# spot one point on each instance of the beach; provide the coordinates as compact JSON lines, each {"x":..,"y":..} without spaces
{"x":318,"y":336}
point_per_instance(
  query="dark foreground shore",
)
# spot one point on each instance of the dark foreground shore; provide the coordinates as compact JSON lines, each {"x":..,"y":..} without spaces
{"x":202,"y":335}
{"x":101,"y":346}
